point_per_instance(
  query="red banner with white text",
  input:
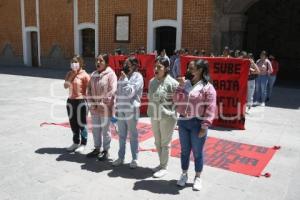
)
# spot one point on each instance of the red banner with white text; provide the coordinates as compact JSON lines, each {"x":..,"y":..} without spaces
{"x":230,"y":78}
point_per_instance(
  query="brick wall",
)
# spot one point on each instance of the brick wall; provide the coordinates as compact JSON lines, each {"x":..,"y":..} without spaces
{"x":138,"y":11}
{"x":164,"y":9}
{"x":56,"y":23}
{"x":197,"y":24}
{"x":30,"y":14}
{"x":11,"y":26}
{"x":86,"y":11}
{"x":56,"y":26}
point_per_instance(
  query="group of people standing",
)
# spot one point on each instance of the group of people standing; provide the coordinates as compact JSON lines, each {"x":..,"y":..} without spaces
{"x":188,"y":101}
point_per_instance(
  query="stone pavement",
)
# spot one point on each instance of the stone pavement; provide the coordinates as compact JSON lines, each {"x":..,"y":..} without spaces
{"x":35,"y":165}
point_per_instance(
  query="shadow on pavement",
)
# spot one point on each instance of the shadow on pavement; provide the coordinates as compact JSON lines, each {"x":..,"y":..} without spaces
{"x":125,"y":171}
{"x":34,"y":72}
{"x":89,"y":164}
{"x":159,"y":186}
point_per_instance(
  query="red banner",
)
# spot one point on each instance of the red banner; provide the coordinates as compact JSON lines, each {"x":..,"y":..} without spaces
{"x":230,"y":78}
{"x":146,"y":63}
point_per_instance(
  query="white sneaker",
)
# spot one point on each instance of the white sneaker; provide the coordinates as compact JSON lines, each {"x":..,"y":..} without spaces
{"x":118,"y":162}
{"x":73,"y":147}
{"x":160,"y":173}
{"x":197,"y":184}
{"x":80,"y":149}
{"x":183,"y":179}
{"x":156,"y":169}
{"x":262,"y":104}
{"x":134,"y":164}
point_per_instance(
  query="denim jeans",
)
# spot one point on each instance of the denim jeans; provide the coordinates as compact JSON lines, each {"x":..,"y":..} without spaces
{"x":127,"y":122}
{"x":261,"y":88}
{"x":251,"y":90}
{"x":189,"y":140}
{"x":271,"y":82}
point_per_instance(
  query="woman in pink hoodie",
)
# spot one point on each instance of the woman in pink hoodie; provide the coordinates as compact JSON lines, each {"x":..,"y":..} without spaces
{"x":195,"y":101}
{"x":101,"y":98}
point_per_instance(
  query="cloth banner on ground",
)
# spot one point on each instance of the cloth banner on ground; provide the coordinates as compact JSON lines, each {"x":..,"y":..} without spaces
{"x":224,"y":154}
{"x":230,"y":78}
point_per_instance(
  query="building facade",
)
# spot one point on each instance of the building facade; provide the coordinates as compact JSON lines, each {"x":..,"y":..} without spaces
{"x":49,"y":32}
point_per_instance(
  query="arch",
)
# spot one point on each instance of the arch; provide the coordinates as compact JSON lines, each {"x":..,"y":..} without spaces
{"x":80,"y":27}
{"x":165,"y":22}
{"x":85,"y":26}
{"x":238,"y":6}
{"x":152,"y":25}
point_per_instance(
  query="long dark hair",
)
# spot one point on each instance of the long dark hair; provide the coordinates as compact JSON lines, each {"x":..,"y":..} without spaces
{"x":203,"y":64}
{"x":165,"y":62}
{"x":134,"y":61}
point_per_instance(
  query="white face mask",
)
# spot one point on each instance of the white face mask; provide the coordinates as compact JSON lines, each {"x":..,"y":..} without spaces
{"x":75,"y":66}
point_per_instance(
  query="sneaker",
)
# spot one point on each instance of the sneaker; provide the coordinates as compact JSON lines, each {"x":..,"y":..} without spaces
{"x":80,"y":149}
{"x":73,"y":147}
{"x":134,"y":164}
{"x":103,"y":156}
{"x":182,"y":181}
{"x":93,"y":154}
{"x":197,"y":184}
{"x":118,"y":162}
{"x":156,"y":169}
{"x":262,"y":104}
{"x":160,"y":173}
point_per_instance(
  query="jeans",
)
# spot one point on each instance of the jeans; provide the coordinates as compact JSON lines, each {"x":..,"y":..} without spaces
{"x":127,"y":123}
{"x":101,"y":132}
{"x":261,"y":88}
{"x":163,"y":131}
{"x":77,"y":113}
{"x":251,"y":90}
{"x":190,"y":141}
{"x":271,"y":82}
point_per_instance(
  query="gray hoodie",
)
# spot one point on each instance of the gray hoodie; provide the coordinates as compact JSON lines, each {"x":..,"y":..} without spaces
{"x":129,"y":92}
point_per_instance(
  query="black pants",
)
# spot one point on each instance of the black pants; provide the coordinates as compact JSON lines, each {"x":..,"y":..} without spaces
{"x":77,"y":113}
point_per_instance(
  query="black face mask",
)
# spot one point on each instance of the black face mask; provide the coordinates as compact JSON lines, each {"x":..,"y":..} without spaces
{"x":189,"y":76}
{"x":126,"y":69}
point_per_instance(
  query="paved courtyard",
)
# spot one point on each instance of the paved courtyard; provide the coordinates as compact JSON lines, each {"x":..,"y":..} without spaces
{"x":35,"y":165}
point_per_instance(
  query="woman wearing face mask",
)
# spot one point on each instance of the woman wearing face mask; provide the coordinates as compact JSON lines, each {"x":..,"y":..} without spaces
{"x":195,"y":101}
{"x":162,"y":112}
{"x":129,"y":93}
{"x":101,"y":98}
{"x":77,"y":81}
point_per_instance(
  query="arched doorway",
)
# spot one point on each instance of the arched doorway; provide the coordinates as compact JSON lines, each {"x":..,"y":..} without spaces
{"x":274,"y":25}
{"x":165,"y":38}
{"x":88,"y":43}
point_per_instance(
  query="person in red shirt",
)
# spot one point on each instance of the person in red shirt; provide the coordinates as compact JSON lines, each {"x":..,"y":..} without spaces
{"x":272,"y":77}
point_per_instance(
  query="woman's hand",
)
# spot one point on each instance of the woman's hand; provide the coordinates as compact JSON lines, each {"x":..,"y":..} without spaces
{"x":202,"y":133}
{"x":181,"y":81}
{"x":122,"y":76}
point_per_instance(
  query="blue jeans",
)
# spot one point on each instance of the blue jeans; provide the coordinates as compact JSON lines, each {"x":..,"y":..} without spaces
{"x":190,"y":141}
{"x":251,"y":89}
{"x":271,"y":82}
{"x":127,"y":123}
{"x":261,"y":88}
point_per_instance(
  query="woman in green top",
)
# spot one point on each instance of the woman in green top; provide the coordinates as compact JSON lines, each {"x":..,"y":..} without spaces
{"x":161,"y":109}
